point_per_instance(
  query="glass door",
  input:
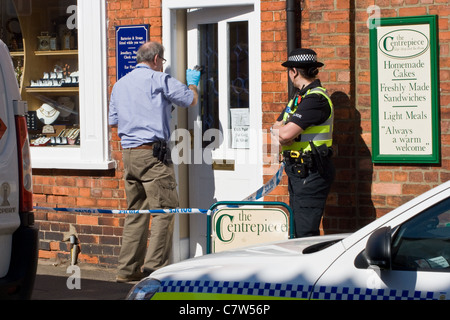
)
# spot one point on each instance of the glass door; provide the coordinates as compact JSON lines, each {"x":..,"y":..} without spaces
{"x":225,"y":126}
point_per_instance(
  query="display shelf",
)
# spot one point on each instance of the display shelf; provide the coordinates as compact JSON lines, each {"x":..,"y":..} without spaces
{"x":15,"y":54}
{"x":57,"y":53}
{"x":52,"y":90}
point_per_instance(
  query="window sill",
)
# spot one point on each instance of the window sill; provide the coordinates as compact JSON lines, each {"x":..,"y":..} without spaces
{"x":67,"y":158}
{"x":73,"y":165}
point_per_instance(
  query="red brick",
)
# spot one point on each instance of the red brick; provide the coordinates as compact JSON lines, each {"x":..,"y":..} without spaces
{"x":47,"y":255}
{"x":412,"y":11}
{"x":387,"y":188}
{"x":86,"y":202}
{"x":89,"y":220}
{"x":415,"y":189}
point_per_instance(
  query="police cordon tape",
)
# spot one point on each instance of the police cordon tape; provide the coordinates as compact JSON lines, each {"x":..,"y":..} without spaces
{"x":261,"y":192}
{"x":268,"y":187}
{"x":106,"y":211}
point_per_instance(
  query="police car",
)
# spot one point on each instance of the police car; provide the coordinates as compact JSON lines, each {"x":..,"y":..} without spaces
{"x":404,"y":255}
{"x":18,"y":237}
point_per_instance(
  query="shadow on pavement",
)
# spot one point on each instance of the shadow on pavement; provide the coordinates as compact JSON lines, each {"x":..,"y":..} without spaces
{"x":53,"y":283}
{"x":55,"y":288}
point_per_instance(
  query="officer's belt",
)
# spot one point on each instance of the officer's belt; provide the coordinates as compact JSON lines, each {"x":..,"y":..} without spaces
{"x":299,"y":163}
{"x":293,"y":155}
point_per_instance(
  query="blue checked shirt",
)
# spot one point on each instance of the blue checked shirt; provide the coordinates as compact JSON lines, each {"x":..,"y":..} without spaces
{"x":141,"y":105}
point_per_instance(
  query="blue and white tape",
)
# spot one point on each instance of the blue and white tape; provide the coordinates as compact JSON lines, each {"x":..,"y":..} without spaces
{"x":106,"y":211}
{"x":260,"y":193}
{"x":268,"y":187}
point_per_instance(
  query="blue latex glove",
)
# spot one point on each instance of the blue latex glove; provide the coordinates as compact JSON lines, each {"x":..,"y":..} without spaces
{"x":192,"y":77}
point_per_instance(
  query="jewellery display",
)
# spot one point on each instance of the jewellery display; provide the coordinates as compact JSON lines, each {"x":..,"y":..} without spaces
{"x":56,"y":130}
{"x":69,"y":136}
{"x":47,"y":114}
{"x":32,"y":120}
{"x":58,"y":77}
{"x":48,"y":129}
{"x":49,"y":80}
{"x":39,"y":142}
{"x":58,"y":140}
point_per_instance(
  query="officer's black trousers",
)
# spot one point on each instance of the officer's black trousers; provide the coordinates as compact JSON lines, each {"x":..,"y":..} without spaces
{"x":307,"y":199}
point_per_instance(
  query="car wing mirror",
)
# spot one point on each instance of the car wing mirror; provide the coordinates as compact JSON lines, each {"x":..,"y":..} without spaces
{"x":378,"y":248}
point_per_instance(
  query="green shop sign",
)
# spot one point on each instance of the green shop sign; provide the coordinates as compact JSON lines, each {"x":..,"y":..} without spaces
{"x":238,"y":227}
{"x":404,"y":90}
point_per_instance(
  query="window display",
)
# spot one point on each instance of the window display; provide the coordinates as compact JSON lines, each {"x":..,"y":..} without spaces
{"x":43,"y":40}
{"x":59,"y":51}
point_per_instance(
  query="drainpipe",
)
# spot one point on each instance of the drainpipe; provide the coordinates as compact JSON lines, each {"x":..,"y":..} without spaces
{"x":73,"y":250}
{"x":291,"y":26}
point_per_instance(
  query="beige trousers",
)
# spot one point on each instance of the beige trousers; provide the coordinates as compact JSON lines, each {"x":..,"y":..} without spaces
{"x":149,"y":184}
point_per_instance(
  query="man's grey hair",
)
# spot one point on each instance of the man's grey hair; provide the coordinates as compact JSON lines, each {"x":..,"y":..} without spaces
{"x":148,"y":51}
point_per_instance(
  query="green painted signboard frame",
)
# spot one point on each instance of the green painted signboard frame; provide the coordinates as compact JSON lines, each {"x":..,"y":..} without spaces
{"x":405,"y":90}
{"x":270,"y":207}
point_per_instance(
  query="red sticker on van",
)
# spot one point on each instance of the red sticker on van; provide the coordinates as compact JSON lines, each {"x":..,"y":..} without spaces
{"x":2,"y":128}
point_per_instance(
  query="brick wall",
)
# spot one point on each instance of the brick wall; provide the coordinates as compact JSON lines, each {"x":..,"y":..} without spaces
{"x":337,"y":30}
{"x":99,"y":235}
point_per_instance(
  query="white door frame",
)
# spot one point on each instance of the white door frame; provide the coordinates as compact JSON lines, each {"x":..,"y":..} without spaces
{"x":176,"y":66}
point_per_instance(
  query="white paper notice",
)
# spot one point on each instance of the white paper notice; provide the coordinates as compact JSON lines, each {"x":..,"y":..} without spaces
{"x":240,"y":125}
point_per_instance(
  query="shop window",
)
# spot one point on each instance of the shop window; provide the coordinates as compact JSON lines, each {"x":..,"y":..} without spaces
{"x":58,"y":50}
{"x":239,"y":94}
{"x":238,"y":80}
{"x":239,"y":65}
{"x":209,"y":60}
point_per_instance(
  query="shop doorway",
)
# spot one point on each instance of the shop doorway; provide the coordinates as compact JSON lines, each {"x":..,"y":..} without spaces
{"x":225,"y":158}
{"x":225,"y":125}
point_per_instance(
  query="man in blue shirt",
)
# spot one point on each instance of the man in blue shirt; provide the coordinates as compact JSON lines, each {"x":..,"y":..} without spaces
{"x":140,"y":106}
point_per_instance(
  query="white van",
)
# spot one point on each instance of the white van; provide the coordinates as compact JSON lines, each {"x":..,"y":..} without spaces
{"x":18,"y":236}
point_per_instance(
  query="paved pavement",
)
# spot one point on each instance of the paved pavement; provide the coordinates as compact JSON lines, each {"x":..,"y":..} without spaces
{"x":57,"y":282}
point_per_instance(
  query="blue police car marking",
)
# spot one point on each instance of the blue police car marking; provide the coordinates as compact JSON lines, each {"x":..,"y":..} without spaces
{"x":294,"y":291}
{"x":346,"y":293}
{"x":239,"y":288}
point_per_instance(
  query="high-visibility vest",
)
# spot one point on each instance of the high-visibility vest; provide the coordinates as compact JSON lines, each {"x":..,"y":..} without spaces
{"x":319,"y":134}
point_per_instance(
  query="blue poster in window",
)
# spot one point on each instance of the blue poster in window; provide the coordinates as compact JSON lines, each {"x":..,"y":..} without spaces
{"x":128,"y":41}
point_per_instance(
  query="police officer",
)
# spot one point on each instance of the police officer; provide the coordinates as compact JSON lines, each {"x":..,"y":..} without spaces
{"x":305,"y":132}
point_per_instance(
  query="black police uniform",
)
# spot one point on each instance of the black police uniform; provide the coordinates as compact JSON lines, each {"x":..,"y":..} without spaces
{"x":309,"y":187}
